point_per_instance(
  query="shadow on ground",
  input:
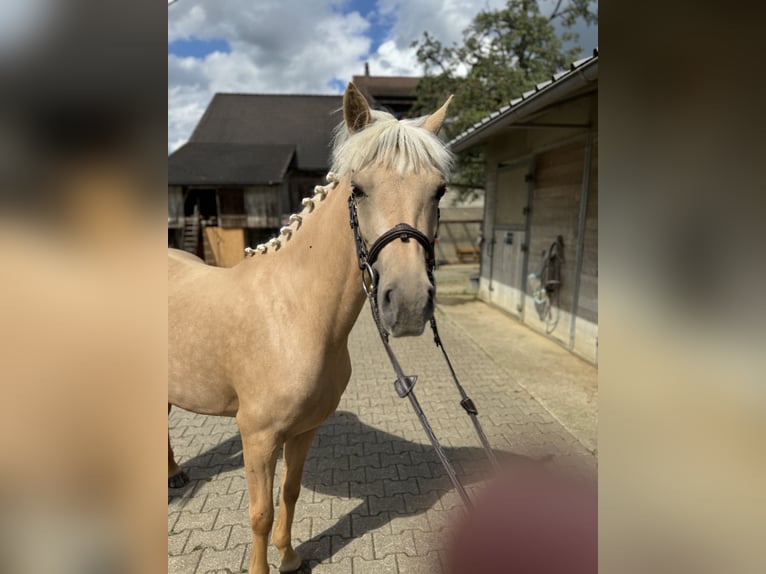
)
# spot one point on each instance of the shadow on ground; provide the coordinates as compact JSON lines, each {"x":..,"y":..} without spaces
{"x":345,"y":431}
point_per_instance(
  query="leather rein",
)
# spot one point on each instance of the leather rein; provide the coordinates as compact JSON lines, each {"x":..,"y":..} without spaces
{"x":404,"y":384}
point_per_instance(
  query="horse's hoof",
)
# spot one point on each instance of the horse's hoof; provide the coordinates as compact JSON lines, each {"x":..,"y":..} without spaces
{"x":290,"y":563}
{"x":178,"y":480}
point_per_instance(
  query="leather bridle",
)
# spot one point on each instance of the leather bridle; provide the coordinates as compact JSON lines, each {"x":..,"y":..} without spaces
{"x":404,"y":384}
{"x":401,"y":231}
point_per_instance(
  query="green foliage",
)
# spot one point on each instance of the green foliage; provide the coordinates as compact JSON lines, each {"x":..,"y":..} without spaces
{"x":503,"y":53}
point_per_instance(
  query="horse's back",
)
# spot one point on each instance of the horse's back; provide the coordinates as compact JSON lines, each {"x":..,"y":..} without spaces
{"x":183,"y":255}
{"x":178,"y":259}
{"x":184,"y":266}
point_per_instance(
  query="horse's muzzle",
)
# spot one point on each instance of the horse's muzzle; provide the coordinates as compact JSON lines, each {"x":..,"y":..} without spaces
{"x":405,"y":313}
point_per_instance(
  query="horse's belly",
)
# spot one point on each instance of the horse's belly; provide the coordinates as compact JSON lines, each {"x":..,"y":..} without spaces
{"x":203,"y":399}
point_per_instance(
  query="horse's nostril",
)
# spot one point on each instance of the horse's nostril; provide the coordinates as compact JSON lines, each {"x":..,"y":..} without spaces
{"x":387,"y":297}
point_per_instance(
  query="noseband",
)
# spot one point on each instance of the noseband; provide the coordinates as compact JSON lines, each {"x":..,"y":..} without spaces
{"x":401,"y":231}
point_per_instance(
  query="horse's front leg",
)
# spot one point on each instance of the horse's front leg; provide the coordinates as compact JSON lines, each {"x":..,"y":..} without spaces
{"x":295,"y":452}
{"x":259,"y":450}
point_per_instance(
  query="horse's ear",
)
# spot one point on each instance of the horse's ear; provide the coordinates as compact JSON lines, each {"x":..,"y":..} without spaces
{"x":434,"y":122}
{"x":356,"y":112}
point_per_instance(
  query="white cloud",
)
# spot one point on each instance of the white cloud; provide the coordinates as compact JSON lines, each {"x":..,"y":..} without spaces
{"x":296,"y":46}
{"x":278,"y":46}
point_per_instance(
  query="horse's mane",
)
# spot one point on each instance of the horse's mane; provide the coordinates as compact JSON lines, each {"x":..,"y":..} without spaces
{"x":398,"y":144}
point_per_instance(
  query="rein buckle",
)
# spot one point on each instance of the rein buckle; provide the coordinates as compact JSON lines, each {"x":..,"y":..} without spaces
{"x":405,"y":385}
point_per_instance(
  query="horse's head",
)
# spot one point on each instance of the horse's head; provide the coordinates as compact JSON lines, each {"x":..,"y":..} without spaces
{"x":397,"y":172}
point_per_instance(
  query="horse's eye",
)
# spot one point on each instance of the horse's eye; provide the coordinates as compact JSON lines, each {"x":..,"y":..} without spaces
{"x":441,"y":191}
{"x":357,"y":191}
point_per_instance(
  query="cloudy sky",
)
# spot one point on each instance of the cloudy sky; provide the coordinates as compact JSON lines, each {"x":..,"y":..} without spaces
{"x":300,"y":46}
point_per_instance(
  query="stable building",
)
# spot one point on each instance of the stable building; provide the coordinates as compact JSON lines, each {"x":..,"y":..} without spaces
{"x":539,"y":247}
{"x":246,"y":167}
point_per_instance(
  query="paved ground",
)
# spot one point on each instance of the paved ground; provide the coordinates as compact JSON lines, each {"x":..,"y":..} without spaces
{"x":375,"y":498}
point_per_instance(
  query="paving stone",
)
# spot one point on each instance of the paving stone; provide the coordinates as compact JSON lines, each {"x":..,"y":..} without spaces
{"x":373,"y":474}
{"x":229,"y":501}
{"x":421,"y":502}
{"x":339,"y":462}
{"x":321,"y":477}
{"x":385,"y":544}
{"x":229,"y":517}
{"x":386,"y":504}
{"x":343,"y":506}
{"x":385,"y":447}
{"x":189,"y":502}
{"x":329,"y":440}
{"x":343,"y":566}
{"x":353,"y":475}
{"x":239,"y":535}
{"x":365,"y":438}
{"x":351,"y":547}
{"x":392,"y":487}
{"x":385,"y":566}
{"x":439,"y":485}
{"x":176,"y":542}
{"x":198,"y":520}
{"x":172,"y":519}
{"x":440,"y":519}
{"x":361,"y":525}
{"x":221,"y":559}
{"x":200,"y":539}
{"x":314,"y":509}
{"x":320,"y":492}
{"x":451,"y":500}
{"x":184,"y":563}
{"x":331,"y":527}
{"x":346,"y":450}
{"x":237,"y":484}
{"x":364,"y":489}
{"x":317,"y":549}
{"x":404,"y":522}
{"x":421,"y":564}
{"x":428,"y":541}
{"x":371,"y":460}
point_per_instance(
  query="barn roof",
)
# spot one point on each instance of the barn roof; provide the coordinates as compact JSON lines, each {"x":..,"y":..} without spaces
{"x":208,"y":163}
{"x":580,"y":75}
{"x":375,"y":87}
{"x":391,"y":93}
{"x":304,"y":122}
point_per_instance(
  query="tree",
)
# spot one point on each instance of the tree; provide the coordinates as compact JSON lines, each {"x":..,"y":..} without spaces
{"x":504,"y":53}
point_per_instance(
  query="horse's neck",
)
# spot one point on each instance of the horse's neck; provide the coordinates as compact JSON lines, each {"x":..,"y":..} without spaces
{"x":320,"y":262}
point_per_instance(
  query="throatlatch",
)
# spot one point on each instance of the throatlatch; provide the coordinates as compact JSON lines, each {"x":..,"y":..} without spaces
{"x":404,"y":384}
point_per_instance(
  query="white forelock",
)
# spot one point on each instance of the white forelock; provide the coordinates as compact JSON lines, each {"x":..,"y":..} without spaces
{"x":402,"y":145}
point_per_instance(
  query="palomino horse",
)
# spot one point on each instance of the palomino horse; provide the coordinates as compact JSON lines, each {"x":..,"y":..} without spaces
{"x":266,"y":340}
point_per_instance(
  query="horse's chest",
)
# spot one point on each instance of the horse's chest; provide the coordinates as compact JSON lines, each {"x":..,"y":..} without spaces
{"x":316,"y":395}
{"x":302,"y":392}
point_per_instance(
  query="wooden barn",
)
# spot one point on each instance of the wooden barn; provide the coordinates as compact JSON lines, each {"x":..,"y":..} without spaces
{"x":253,"y":157}
{"x":539,"y":252}
{"x":246,"y":167}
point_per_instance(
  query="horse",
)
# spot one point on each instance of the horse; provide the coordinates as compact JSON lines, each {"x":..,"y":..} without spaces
{"x":265,"y":341}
